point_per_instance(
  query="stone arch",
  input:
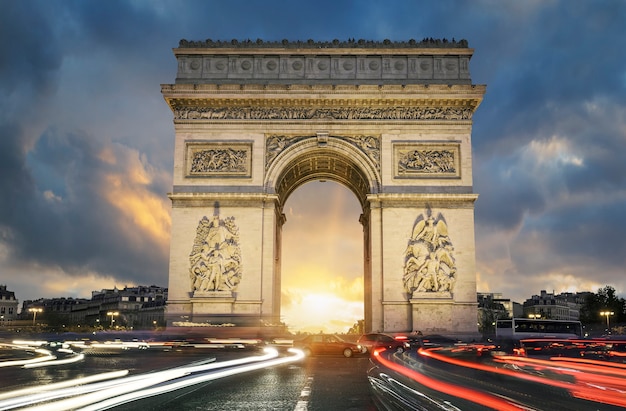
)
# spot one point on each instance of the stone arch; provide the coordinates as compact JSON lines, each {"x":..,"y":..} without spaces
{"x":391,"y":121}
{"x":333,"y":158}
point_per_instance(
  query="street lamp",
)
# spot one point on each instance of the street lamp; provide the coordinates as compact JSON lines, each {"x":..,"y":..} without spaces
{"x":35,"y":311}
{"x":534,"y":316}
{"x":113,"y":314}
{"x":607,"y":314}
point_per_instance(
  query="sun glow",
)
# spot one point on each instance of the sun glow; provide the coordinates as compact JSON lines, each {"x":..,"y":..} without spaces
{"x":322,"y":270}
{"x":322,"y":313}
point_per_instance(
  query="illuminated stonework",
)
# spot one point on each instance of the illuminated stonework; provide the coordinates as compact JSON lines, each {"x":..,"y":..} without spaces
{"x":215,"y":258}
{"x":391,"y":121}
{"x":322,"y":113}
{"x":369,"y":145}
{"x":419,"y":160}
{"x":429,"y":265}
{"x":218,"y":160}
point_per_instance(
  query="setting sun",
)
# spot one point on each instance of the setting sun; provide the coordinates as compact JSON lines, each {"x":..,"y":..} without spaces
{"x":322,"y":272}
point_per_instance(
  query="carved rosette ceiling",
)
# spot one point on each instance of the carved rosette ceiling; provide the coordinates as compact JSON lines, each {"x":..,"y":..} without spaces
{"x":215,"y":258}
{"x":429,"y":264}
{"x":368,"y":145}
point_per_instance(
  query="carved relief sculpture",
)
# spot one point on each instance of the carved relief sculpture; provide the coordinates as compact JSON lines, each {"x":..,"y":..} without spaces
{"x":296,"y":113}
{"x":208,"y":160}
{"x":369,"y":145}
{"x":427,"y":160}
{"x":429,"y":265}
{"x":215,"y":258}
{"x":275,"y":145}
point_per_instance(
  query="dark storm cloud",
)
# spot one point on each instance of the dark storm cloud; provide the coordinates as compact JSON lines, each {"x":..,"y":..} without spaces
{"x":82,"y":78}
{"x":30,"y":56}
{"x":75,"y":227}
{"x":583,"y":236}
{"x":16,"y":183}
{"x":53,"y":212}
{"x":567,"y":57}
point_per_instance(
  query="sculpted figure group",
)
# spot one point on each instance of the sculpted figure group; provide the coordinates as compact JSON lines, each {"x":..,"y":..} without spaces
{"x":222,"y":160}
{"x":429,"y":262}
{"x":296,"y":113}
{"x":215,"y":260}
{"x":428,"y":161}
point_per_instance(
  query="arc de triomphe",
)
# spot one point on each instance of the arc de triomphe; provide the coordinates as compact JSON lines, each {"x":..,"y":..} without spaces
{"x":391,"y":121}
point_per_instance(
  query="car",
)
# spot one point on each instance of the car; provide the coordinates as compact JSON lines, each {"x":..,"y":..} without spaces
{"x":371,"y":341}
{"x":325,"y":344}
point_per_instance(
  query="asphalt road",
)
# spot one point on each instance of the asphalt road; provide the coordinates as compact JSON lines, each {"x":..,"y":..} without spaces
{"x":318,"y":383}
{"x":310,"y":384}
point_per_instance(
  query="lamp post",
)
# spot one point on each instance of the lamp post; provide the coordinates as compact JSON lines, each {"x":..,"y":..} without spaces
{"x":113,"y":314}
{"x":607,"y":314}
{"x":35,"y":311}
{"x":534,"y":316}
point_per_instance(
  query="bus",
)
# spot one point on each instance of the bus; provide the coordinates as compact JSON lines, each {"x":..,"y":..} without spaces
{"x":519,"y":328}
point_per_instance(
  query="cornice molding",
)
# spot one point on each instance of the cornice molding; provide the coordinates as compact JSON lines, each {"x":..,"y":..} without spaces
{"x":312,"y":44}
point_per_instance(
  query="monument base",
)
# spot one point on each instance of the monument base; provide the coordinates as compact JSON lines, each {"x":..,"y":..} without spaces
{"x":212,"y":294}
{"x":435,"y":295}
{"x":438,"y":313}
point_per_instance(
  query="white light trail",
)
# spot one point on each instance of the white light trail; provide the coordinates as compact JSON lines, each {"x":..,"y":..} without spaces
{"x":62,"y":384}
{"x":122,"y":390}
{"x":74,"y":358}
{"x":45,"y":356}
{"x":192,"y":380}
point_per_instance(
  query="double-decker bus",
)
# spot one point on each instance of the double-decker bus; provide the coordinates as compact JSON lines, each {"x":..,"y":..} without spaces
{"x":518,"y":328}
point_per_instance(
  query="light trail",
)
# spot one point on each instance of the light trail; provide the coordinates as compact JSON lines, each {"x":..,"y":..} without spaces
{"x":468,"y":394}
{"x":45,"y":356}
{"x":601,"y":382}
{"x":74,"y":358}
{"x":122,"y":384}
{"x":62,"y":384}
{"x":116,"y":400}
{"x":106,"y":394}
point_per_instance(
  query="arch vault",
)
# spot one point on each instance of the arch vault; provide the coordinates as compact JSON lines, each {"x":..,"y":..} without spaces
{"x":390,"y":121}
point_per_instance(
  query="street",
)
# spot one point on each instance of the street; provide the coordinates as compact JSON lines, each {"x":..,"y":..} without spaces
{"x":310,"y":383}
{"x":318,"y":383}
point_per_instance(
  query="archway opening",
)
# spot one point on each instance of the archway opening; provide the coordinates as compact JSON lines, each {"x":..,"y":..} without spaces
{"x":322,"y":280}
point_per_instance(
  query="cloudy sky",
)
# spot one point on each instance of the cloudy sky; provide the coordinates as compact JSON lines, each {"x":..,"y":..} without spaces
{"x":86,"y":141}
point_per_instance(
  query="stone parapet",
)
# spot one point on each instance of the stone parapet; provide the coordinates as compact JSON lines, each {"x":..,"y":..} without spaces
{"x":353,"y":62}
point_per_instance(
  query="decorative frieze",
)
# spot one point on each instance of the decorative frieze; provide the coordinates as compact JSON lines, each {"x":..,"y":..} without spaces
{"x":226,"y":159}
{"x":322,"y":113}
{"x":430,"y":61}
{"x":419,"y":160}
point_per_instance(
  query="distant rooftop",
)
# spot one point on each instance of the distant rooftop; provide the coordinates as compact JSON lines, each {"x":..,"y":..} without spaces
{"x":312,"y":44}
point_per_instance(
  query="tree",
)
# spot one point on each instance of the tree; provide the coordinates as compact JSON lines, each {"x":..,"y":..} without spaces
{"x":604,"y":300}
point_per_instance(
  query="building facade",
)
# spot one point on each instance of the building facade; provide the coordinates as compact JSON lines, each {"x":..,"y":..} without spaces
{"x":8,"y":306}
{"x":564,"y":306}
{"x":140,"y":307}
